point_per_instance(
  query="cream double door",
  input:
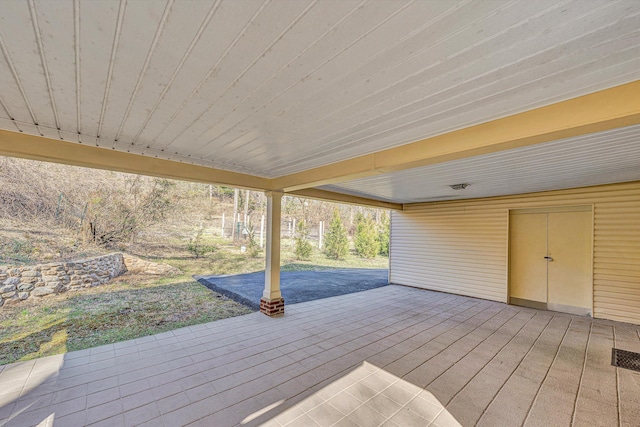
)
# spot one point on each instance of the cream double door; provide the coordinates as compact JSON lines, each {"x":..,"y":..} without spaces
{"x":550,"y":259}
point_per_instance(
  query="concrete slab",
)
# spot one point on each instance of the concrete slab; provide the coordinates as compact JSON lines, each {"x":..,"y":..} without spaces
{"x":392,"y":356}
{"x":297,"y":286}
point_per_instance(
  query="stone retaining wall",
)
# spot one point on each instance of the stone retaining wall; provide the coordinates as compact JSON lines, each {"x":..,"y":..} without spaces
{"x":20,"y":283}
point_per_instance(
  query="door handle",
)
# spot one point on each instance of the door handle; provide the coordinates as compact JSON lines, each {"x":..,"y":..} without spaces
{"x":548,"y":258}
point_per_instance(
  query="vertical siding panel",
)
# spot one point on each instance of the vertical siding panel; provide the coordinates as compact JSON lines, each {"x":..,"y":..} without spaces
{"x":461,"y":246}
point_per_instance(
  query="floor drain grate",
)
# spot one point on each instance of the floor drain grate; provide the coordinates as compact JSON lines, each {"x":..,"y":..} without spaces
{"x":625,"y":359}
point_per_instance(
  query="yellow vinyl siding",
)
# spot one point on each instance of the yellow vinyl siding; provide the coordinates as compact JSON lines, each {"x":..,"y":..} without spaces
{"x":448,"y":249}
{"x":462,"y":246}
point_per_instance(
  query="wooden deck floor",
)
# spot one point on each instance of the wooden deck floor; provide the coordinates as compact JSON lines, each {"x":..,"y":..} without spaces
{"x":392,"y":356}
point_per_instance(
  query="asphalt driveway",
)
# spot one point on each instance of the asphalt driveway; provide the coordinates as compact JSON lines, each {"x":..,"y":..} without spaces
{"x":297,"y":286}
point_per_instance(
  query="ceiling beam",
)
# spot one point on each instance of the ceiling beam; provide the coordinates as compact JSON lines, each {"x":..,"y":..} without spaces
{"x":22,"y":145}
{"x":15,"y":144}
{"x":315,"y":193}
{"x":599,"y":111}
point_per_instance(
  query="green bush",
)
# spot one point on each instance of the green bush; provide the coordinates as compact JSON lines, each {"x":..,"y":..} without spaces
{"x":383,"y":235}
{"x":303,"y":248}
{"x":337,"y":241}
{"x":366,"y":238}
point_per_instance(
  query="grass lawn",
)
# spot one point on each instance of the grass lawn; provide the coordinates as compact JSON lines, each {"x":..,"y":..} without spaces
{"x":132,"y":306}
{"x":228,"y":259}
{"x":128,"y":307}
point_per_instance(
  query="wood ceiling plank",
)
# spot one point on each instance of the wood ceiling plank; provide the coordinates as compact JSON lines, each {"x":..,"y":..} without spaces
{"x":96,"y":45}
{"x":22,"y":56}
{"x":55,"y":20}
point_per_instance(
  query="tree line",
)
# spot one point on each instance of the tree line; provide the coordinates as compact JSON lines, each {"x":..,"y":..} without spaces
{"x":370,"y":239}
{"x":112,"y":209}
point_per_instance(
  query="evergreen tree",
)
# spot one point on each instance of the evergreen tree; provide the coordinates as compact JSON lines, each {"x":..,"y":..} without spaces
{"x":383,"y":234}
{"x":337,"y":242}
{"x":366,"y":238}
{"x":303,"y":247}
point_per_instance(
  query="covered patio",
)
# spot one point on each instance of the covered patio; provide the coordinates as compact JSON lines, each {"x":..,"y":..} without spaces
{"x":393,"y":356}
{"x":463,"y":118}
{"x":423,"y":108}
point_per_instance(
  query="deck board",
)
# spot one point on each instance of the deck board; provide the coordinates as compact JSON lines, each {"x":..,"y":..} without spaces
{"x":394,"y":355}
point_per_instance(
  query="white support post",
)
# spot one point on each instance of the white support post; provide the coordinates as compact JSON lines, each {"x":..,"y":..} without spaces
{"x":222,"y":226}
{"x":320,"y":234}
{"x":272,"y":303}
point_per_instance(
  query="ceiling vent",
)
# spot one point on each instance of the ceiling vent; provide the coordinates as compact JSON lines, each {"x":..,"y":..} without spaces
{"x":459,"y":186}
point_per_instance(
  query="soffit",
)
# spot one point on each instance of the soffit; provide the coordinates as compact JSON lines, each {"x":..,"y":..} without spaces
{"x":594,"y":159}
{"x":277,"y":87}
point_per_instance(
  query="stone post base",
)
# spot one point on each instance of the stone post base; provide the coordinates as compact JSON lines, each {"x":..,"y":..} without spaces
{"x":272,"y":308}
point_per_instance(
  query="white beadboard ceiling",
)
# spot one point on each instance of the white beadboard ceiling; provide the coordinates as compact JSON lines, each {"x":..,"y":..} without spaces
{"x":274,"y":87}
{"x":594,"y":159}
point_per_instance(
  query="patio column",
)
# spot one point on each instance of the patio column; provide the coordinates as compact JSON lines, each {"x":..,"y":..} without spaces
{"x":272,"y":303}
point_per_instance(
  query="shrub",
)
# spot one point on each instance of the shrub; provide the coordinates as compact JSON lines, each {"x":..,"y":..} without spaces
{"x":118,"y":215}
{"x":366,"y":238}
{"x":197,"y":247}
{"x":337,"y":241}
{"x":303,"y":247}
{"x":383,"y":235}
